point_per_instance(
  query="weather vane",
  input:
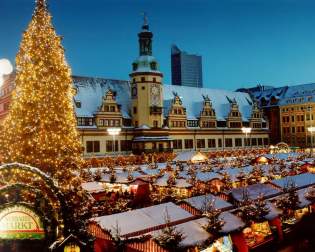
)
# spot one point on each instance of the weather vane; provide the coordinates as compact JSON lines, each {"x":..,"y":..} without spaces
{"x":145,"y":18}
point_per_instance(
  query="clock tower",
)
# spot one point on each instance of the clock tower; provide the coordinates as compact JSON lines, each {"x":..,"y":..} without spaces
{"x":146,"y":84}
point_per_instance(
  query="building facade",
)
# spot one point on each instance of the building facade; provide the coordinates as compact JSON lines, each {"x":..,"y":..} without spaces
{"x":157,"y":117}
{"x":186,"y":68}
{"x":5,"y":95}
{"x":290,"y":111}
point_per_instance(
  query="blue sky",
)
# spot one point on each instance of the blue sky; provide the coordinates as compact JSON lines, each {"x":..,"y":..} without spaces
{"x":242,"y":42}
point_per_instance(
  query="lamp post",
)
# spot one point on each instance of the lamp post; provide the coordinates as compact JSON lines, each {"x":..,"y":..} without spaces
{"x":246,"y":131}
{"x":113,"y":132}
{"x":311,"y":130}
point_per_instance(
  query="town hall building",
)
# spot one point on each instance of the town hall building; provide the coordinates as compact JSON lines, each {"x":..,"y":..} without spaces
{"x":157,"y":117}
{"x":154,"y":117}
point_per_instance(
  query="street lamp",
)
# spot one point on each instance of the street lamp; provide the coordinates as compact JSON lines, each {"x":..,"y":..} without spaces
{"x":246,"y":131}
{"x":311,"y":130}
{"x":5,"y":69}
{"x":113,"y":132}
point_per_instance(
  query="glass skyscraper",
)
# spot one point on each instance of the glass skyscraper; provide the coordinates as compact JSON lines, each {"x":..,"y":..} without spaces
{"x":186,"y":68}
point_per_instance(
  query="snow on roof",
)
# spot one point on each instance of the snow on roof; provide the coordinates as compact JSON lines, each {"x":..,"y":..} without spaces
{"x":283,"y":156}
{"x":121,"y":176}
{"x":143,"y":64}
{"x":268,"y":94}
{"x":207,"y":176}
{"x":301,"y":181}
{"x":141,"y":219}
{"x":234,"y":172}
{"x":299,"y":94}
{"x":151,"y":172}
{"x":232,"y":222}
{"x":93,"y":187}
{"x":295,"y":94}
{"x":90,"y":92}
{"x":303,"y":201}
{"x":193,"y":101}
{"x":273,"y":211}
{"x":143,"y":126}
{"x":198,"y":202}
{"x":193,"y":232}
{"x":186,"y":156}
{"x":180,"y":183}
{"x":254,"y":191}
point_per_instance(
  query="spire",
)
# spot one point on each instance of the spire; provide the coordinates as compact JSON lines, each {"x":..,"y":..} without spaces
{"x":41,"y":4}
{"x":145,"y":25}
{"x":145,"y":38}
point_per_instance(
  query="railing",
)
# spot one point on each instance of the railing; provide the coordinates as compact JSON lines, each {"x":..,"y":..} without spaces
{"x":156,"y":110}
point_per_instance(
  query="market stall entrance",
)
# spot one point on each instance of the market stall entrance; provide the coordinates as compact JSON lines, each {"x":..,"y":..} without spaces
{"x":31,"y":209}
{"x":21,"y":229}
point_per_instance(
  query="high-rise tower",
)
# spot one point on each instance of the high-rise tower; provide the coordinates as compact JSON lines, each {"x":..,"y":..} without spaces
{"x":186,"y":68}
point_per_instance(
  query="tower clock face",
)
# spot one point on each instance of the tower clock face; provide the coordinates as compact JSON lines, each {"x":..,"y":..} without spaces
{"x":155,"y":95}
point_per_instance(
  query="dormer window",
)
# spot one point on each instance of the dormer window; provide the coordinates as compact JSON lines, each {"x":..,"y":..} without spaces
{"x":153,"y":65}
{"x":78,"y":104}
{"x":134,"y":66}
{"x":235,"y":114}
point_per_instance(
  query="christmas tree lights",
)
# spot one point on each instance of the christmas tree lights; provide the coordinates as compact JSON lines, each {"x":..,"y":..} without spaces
{"x":40,"y":129}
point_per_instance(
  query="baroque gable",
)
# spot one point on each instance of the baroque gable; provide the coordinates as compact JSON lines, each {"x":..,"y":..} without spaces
{"x":207,"y":117}
{"x":109,"y":114}
{"x":177,"y":113}
{"x":234,"y":119}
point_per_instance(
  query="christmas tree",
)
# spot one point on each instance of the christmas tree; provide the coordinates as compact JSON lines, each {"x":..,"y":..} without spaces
{"x":215,"y":223}
{"x":40,"y":129}
{"x":253,"y":210}
{"x":169,"y":237}
{"x":290,"y":200}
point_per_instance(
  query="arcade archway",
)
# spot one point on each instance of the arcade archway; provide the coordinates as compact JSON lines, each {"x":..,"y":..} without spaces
{"x":32,"y":209}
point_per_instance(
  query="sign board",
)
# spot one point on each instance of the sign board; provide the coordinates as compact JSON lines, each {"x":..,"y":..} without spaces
{"x":19,"y":222}
{"x":72,"y":247}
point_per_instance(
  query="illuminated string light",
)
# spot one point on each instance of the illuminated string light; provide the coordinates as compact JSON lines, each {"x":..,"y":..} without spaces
{"x":40,"y":129}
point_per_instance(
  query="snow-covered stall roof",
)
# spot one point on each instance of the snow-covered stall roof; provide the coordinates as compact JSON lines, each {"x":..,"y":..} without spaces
{"x":273,"y":211}
{"x":90,"y":92}
{"x":121,"y":176}
{"x":232,"y":222}
{"x":93,"y":187}
{"x":141,"y":219}
{"x":190,"y":156}
{"x":283,"y":156}
{"x":254,"y":191}
{"x":207,"y":176}
{"x":192,"y":99}
{"x":198,"y":202}
{"x":303,"y":200}
{"x":193,"y":232}
{"x":234,"y":172}
{"x":179,"y":183}
{"x":301,"y":181}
